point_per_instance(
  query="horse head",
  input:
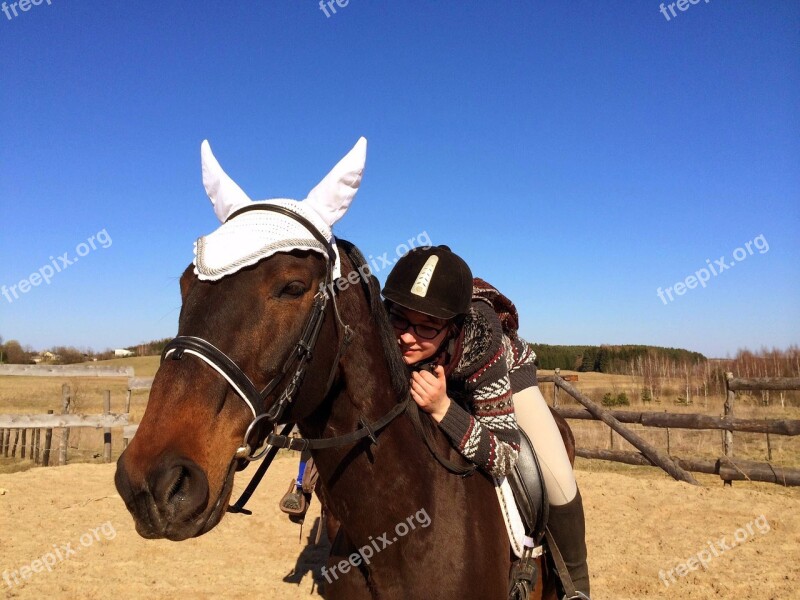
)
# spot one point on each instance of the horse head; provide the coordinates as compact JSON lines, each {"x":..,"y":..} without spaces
{"x":257,"y":290}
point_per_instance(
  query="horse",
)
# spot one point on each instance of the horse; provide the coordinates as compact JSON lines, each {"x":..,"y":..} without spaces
{"x":408,"y":526}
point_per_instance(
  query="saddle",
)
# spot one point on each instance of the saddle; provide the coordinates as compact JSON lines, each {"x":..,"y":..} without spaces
{"x":527,"y":488}
{"x":529,"y":491}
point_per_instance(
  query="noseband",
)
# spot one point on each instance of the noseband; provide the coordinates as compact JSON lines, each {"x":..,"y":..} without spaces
{"x":298,"y":357}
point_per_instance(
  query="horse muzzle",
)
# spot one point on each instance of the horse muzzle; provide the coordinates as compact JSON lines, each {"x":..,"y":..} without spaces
{"x":171,"y":501}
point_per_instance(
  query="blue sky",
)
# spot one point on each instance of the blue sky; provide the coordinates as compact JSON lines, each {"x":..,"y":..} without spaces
{"x":578,"y":155}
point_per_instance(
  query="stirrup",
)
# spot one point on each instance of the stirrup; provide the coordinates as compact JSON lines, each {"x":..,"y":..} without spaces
{"x":577,"y":596}
{"x":523,"y":580}
{"x":294,"y":502}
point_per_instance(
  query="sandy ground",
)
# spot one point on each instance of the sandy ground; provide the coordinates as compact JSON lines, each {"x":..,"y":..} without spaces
{"x":640,"y":522}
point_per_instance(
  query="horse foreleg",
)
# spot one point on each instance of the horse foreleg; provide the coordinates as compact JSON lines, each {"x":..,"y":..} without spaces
{"x":330,"y":520}
{"x":343,"y":581}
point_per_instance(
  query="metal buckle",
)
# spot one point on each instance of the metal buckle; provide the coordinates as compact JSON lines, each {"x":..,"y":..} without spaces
{"x":299,"y":444}
{"x":370,"y":431}
{"x":245,"y":451}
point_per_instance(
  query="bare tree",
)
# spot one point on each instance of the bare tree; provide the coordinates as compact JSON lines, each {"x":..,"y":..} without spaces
{"x":15,"y":354}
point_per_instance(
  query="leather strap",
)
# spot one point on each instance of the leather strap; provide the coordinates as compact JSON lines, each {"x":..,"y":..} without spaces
{"x":238,"y":506}
{"x":312,"y":229}
{"x":367,"y":430}
{"x":561,"y":566}
{"x":282,"y":440}
{"x":220,"y":362}
{"x":425,"y":432}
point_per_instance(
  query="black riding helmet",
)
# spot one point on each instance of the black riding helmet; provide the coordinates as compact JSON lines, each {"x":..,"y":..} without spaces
{"x":434,"y":281}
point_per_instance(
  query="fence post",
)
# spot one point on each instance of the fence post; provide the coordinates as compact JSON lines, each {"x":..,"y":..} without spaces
{"x":727,"y":440}
{"x":22,"y":445}
{"x":555,"y":388}
{"x":62,"y":448}
{"x":769,"y":445}
{"x":37,"y":443}
{"x":730,"y":396}
{"x":48,"y":441}
{"x":16,"y":441}
{"x":107,"y":430}
{"x":5,"y":437}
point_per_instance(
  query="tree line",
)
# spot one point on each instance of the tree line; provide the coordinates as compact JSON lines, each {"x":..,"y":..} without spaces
{"x":677,"y":373}
{"x":13,"y":352}
{"x":608,"y":359}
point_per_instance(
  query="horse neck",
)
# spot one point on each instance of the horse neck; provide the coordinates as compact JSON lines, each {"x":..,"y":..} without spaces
{"x":364,"y":387}
{"x":363,"y":393}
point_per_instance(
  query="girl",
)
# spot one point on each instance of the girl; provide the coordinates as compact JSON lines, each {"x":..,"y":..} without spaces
{"x":479,"y":385}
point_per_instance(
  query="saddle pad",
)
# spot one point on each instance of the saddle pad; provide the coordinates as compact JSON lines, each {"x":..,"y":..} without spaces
{"x":511,"y":516}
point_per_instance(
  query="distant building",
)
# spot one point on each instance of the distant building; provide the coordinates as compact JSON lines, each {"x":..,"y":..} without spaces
{"x":44,"y":357}
{"x":122,"y":353}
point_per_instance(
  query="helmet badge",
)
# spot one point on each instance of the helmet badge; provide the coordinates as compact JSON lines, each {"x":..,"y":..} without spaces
{"x":423,"y":281}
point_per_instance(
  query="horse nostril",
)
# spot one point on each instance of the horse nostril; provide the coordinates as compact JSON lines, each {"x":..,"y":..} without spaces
{"x":180,"y":489}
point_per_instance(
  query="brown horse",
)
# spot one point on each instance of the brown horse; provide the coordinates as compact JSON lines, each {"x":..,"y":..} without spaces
{"x":426,"y":530}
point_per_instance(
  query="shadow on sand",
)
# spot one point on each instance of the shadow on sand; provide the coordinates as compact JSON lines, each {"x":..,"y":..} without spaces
{"x":312,"y":558}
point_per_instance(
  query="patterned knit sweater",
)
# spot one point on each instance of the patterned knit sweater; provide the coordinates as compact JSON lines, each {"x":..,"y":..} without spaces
{"x":480,"y":420}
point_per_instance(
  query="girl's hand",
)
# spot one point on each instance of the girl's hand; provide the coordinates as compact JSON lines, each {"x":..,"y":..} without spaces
{"x":429,"y":391}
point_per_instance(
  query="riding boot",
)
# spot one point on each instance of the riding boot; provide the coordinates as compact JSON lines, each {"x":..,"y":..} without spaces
{"x":568,"y":528}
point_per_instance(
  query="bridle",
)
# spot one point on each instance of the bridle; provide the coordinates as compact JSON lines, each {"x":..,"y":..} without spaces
{"x":298,"y":357}
{"x":290,"y":376}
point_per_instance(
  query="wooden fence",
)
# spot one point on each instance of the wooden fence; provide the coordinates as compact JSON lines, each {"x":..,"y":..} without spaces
{"x":728,"y":468}
{"x":24,"y":432}
{"x":65,"y":371}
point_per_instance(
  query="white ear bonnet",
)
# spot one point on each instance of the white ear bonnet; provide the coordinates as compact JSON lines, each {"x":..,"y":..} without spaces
{"x":257,"y":234}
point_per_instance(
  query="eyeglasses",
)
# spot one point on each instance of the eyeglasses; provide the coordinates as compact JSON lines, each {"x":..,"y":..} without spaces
{"x":401,"y":324}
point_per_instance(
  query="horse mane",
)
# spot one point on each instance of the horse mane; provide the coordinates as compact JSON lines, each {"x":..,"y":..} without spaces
{"x":398,"y":371}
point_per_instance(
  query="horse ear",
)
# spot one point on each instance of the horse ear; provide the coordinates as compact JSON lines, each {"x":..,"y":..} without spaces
{"x":221,"y":189}
{"x":332,"y":196}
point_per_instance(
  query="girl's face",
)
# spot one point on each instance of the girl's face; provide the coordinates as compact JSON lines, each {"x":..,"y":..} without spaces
{"x":418,"y":335}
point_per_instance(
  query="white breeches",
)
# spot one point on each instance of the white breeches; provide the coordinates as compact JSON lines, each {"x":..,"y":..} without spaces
{"x":534,"y":418}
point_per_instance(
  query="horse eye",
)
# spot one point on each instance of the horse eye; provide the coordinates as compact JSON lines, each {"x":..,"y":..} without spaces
{"x":295,"y":289}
